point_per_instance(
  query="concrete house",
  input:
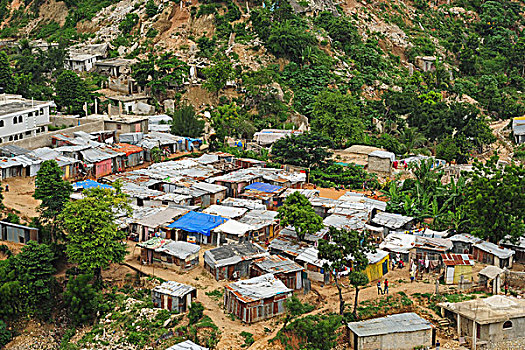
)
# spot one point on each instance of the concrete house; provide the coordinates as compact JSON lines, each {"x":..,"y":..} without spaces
{"x":289,"y":272}
{"x":21,"y":118}
{"x":80,"y":62}
{"x":256,"y":299}
{"x":518,"y":130}
{"x":173,"y":296}
{"x":496,"y":322}
{"x":489,"y":253}
{"x":232,"y":261}
{"x":380,"y":162}
{"x":458,"y":266}
{"x":393,"y":332}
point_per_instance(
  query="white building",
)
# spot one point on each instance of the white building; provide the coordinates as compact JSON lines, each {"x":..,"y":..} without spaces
{"x":80,"y":62}
{"x":22,"y":118}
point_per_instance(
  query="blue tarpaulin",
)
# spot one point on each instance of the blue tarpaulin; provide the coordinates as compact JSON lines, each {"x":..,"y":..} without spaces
{"x":82,"y":185}
{"x":263,"y":187}
{"x":198,"y":222}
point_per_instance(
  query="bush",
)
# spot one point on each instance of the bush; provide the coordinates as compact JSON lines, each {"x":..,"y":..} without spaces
{"x":127,"y":24}
{"x":82,"y":300}
{"x":5,"y":335}
{"x":196,"y":312}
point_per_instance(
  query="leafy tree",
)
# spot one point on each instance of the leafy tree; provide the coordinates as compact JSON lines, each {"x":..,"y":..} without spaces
{"x":151,"y":8}
{"x":159,"y":73}
{"x":218,"y":74}
{"x":346,"y":248}
{"x":229,"y":121}
{"x":196,"y":312}
{"x":317,"y":332}
{"x":156,"y":154}
{"x":494,"y":203}
{"x":82,"y":299}
{"x":11,"y":303}
{"x":185,"y":122}
{"x":288,"y":39}
{"x":12,"y":218}
{"x":297,"y":211}
{"x":71,"y":92}
{"x":336,"y":115}
{"x":306,"y":150}
{"x":7,"y":80}
{"x":53,"y":191}
{"x":350,"y":175}
{"x":412,"y":142}
{"x":34,"y":266}
{"x":5,"y":335}
{"x":128,"y":23}
{"x":94,"y":238}
{"x":295,"y":308}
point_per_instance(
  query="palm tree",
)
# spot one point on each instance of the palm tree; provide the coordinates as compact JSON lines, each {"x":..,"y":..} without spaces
{"x":412,"y":142}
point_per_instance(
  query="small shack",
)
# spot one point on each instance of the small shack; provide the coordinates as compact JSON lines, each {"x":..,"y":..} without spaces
{"x":196,"y":227}
{"x":463,"y":243}
{"x":264,"y":222}
{"x":257,"y":298}
{"x":404,"y":331}
{"x":380,"y":162}
{"x":400,"y":243}
{"x":18,"y":233}
{"x":173,"y":296}
{"x":265,"y":193}
{"x":378,"y":264}
{"x":392,"y":222}
{"x":496,"y":322}
{"x":177,"y":254}
{"x":232,"y":261}
{"x":225,"y":211}
{"x":491,"y":277}
{"x":187,"y":345}
{"x":156,"y":224}
{"x":457,"y":266}
{"x":489,"y":253}
{"x":313,"y":265}
{"x":232,"y":231}
{"x":289,"y":272}
{"x":518,"y":247}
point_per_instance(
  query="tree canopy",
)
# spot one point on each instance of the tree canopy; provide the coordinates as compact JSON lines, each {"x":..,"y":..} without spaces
{"x":306,"y":150}
{"x":185,"y":122}
{"x":297,"y":211}
{"x":71,"y":92}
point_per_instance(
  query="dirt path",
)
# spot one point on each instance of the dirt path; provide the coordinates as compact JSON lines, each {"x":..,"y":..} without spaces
{"x":20,"y":196}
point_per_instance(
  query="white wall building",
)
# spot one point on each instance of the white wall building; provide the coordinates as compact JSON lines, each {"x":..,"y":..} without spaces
{"x":80,"y":62}
{"x":21,"y":118}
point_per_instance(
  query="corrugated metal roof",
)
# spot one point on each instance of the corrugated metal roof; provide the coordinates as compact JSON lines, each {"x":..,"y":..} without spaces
{"x":287,"y":246}
{"x":243,"y":203}
{"x":310,"y":256}
{"x":277,"y":264}
{"x":225,"y":211}
{"x":391,"y":221}
{"x":491,"y":272}
{"x":179,"y":249}
{"x":234,"y":227}
{"x":258,"y":288}
{"x":399,"y":323}
{"x":437,"y":244}
{"x":161,"y":218}
{"x":233,"y":253}
{"x":383,"y":155}
{"x":465,"y":238}
{"x":175,"y":289}
{"x":260,"y":218}
{"x":450,"y":259}
{"x":187,"y":345}
{"x":500,"y":252}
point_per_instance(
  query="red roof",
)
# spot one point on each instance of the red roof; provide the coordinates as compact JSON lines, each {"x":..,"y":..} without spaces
{"x":127,"y":148}
{"x":457,"y":259}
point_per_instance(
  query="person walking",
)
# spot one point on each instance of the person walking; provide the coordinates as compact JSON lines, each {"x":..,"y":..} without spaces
{"x":506,"y":286}
{"x":437,"y":344}
{"x":385,"y":290}
{"x":412,"y":276}
{"x":379,"y":290}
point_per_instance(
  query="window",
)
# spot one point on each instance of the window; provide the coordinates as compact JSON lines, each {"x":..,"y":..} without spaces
{"x":1,"y":123}
{"x":15,"y":120}
{"x":119,"y":126}
{"x":507,"y":325}
{"x":20,"y":119}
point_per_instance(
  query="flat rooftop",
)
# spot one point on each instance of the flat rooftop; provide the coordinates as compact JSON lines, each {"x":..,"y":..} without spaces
{"x":15,"y":106}
{"x":494,"y":309}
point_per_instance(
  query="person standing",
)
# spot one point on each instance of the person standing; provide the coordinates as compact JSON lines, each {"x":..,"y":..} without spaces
{"x":437,"y":344}
{"x":412,"y":276}
{"x":506,"y":286}
{"x":379,"y":290}
{"x":385,"y":290}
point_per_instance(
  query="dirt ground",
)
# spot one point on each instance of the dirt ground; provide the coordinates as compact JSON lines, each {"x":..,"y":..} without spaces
{"x":20,"y":196}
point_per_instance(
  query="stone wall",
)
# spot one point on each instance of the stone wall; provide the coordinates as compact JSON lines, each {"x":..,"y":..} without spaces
{"x":44,"y":140}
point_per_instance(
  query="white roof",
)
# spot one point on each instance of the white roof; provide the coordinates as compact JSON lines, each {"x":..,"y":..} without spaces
{"x":377,"y":256}
{"x":233,"y":227}
{"x":491,"y":271}
{"x":500,"y":252}
{"x":186,"y":345}
{"x":225,"y":211}
{"x":310,"y":256}
{"x":179,"y":249}
{"x":383,"y":154}
{"x":243,"y":203}
{"x":175,"y":289}
{"x":257,"y":288}
{"x":209,"y":187}
{"x":465,"y":238}
{"x":398,"y":242}
{"x":163,"y":217}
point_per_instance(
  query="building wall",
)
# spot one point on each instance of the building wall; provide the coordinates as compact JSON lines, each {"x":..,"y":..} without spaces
{"x":379,"y":165}
{"x":375,"y":271}
{"x":256,"y":311}
{"x":24,"y":124}
{"x":17,"y":233}
{"x":103,"y":168}
{"x":495,"y":333}
{"x":393,"y":341}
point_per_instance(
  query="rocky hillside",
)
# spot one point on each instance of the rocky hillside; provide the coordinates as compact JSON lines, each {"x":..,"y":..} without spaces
{"x":411,"y":77}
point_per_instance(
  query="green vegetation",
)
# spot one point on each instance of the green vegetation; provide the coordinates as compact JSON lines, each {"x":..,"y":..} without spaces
{"x":311,"y":332}
{"x":297,"y":211}
{"x":82,"y":299}
{"x":186,"y":123}
{"x":308,"y":150}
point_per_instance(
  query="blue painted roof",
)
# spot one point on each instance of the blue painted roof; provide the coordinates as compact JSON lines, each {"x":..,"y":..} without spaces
{"x":263,"y":187}
{"x":198,"y":222}
{"x":82,"y":185}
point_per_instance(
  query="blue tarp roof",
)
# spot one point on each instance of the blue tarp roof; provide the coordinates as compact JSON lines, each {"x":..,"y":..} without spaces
{"x":263,"y":187}
{"x":198,"y":222}
{"x":89,"y":184}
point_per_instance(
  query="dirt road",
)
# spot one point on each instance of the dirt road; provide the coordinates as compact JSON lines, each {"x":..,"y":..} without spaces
{"x":20,"y":196}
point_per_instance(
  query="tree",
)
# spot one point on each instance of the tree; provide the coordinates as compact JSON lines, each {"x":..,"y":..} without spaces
{"x":94,"y":239}
{"x":412,"y":142}
{"x":229,"y":121}
{"x":82,"y":299}
{"x":494,"y":204}
{"x":297,"y":211}
{"x":7,"y":79}
{"x":336,"y":116}
{"x":128,"y":23}
{"x":315,"y":332}
{"x":196,"y":312}
{"x":305,"y":150}
{"x":5,"y":335}
{"x":295,"y":308}
{"x":160,"y":73}
{"x":34,"y":267}
{"x":185,"y":123}
{"x":151,"y":8}
{"x":288,"y":39}
{"x":53,"y":191}
{"x":346,"y":248}
{"x":71,"y":92}
{"x":218,"y":74}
